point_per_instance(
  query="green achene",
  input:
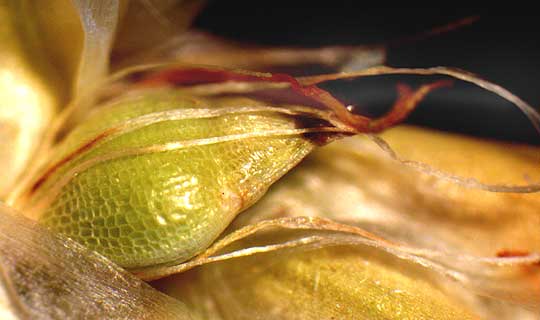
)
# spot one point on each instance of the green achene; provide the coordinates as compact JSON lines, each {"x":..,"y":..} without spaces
{"x":144,"y":189}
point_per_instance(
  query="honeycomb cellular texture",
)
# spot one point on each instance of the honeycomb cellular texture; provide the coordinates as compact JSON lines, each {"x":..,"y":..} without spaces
{"x":165,"y":206}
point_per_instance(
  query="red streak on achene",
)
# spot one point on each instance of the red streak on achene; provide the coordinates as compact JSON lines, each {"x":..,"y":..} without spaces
{"x":316,"y":96}
{"x":80,"y":150}
{"x":195,"y":76}
{"x":310,"y":92}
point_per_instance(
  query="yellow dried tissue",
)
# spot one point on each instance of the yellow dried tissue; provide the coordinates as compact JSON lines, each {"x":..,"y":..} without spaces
{"x":466,"y":259}
{"x":53,"y":54}
{"x":135,"y":154}
{"x":486,"y":241}
{"x":330,"y":283}
{"x":375,"y":188}
{"x":30,"y":91}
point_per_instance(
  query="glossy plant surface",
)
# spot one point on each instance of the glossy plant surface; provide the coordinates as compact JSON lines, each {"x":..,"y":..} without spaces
{"x":164,"y":190}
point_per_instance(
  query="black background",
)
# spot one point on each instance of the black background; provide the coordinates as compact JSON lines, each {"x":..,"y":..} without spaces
{"x":503,"y":47}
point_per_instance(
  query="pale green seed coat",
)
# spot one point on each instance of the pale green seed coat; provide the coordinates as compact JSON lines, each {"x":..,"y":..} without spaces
{"x":167,"y":206}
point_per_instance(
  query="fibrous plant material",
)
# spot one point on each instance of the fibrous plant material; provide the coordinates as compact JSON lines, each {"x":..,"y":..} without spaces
{"x":163,"y":168}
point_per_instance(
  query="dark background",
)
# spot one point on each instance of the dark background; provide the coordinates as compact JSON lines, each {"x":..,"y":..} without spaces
{"x":502,"y":47}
